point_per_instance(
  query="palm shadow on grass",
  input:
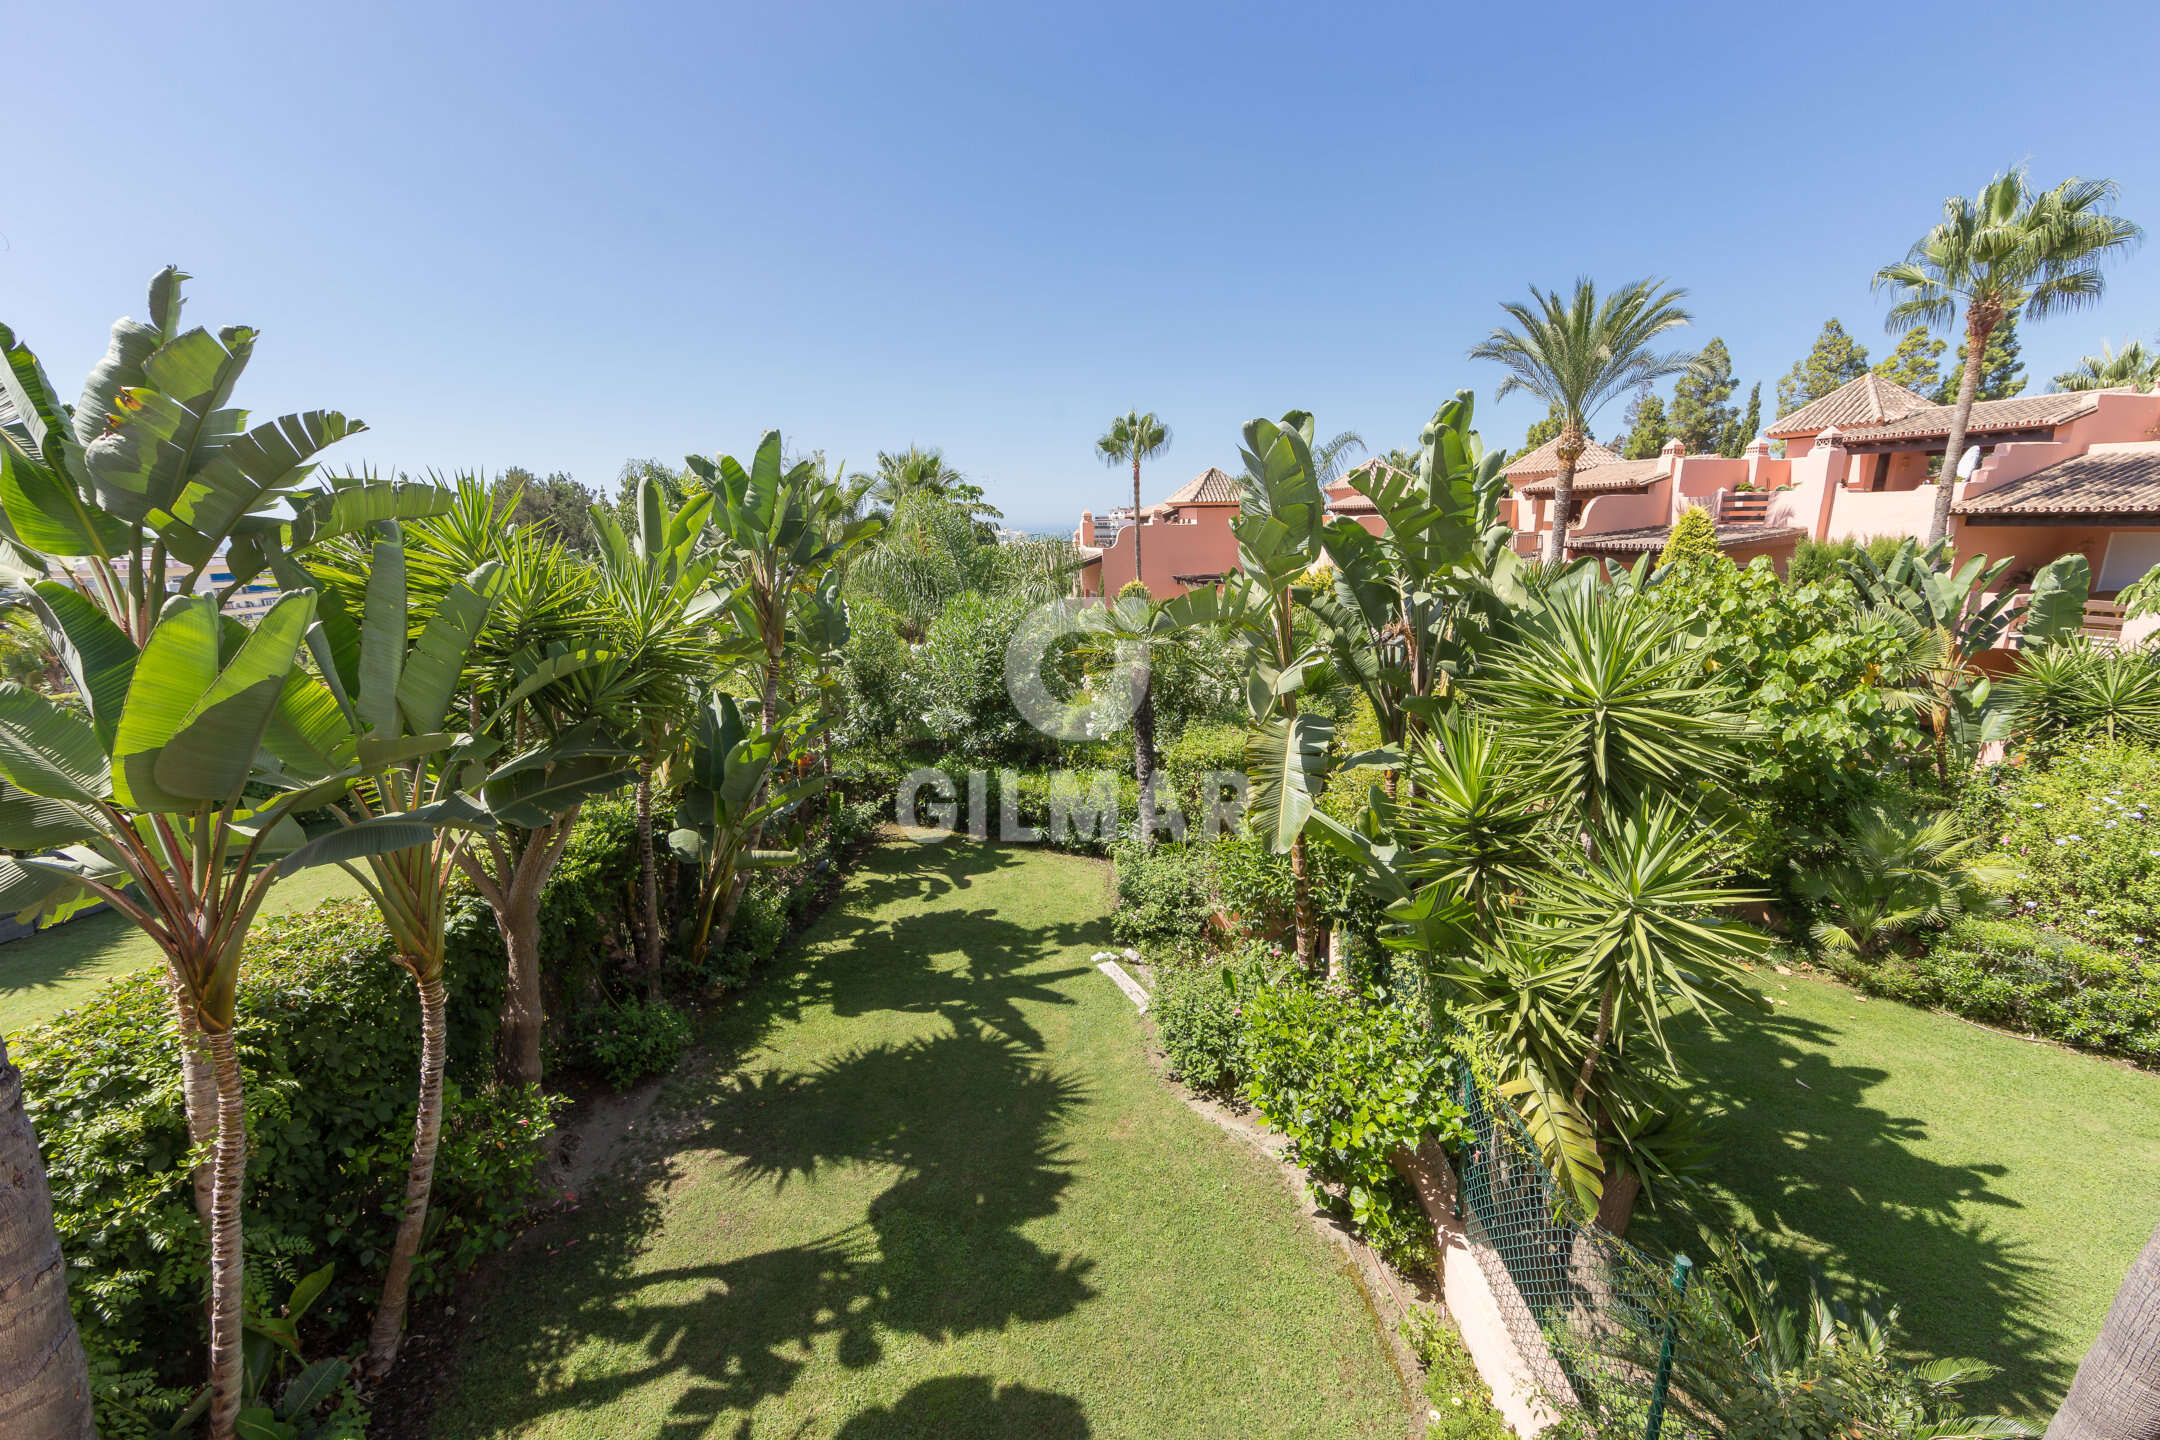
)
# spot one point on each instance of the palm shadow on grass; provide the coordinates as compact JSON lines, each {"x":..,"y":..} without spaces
{"x":1800,"y":1149}
{"x":966,"y":1118}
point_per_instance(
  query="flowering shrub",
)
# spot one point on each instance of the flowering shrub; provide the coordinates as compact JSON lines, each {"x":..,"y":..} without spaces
{"x":2082,"y":838}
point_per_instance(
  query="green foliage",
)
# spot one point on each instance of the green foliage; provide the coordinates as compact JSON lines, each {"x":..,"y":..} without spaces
{"x":1543,"y":430}
{"x":1693,"y":541}
{"x":2082,"y":841}
{"x":1895,"y":872}
{"x":2136,"y":364}
{"x":1702,"y":415}
{"x":1823,"y":562}
{"x":1648,"y":429}
{"x":558,"y":504}
{"x":1461,"y":1402}
{"x":1251,"y":884}
{"x":1835,"y":359}
{"x":1161,"y":894}
{"x":631,"y":1042}
{"x":2074,"y":690}
{"x":1350,"y":1080}
{"x":329,"y":1035}
{"x":1198,"y":1007}
{"x":1916,"y":363}
{"x":2039,"y":982}
{"x":957,"y":677}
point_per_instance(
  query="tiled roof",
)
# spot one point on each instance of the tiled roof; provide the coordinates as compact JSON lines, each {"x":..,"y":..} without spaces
{"x":2106,"y":480}
{"x":1869,"y":400}
{"x":2019,"y":412}
{"x":1650,"y":538}
{"x":1353,"y":503}
{"x":1545,"y":460}
{"x":1209,"y":487}
{"x":1606,"y":478}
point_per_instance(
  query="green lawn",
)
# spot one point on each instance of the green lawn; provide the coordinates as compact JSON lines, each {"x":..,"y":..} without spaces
{"x":924,"y":1183}
{"x":43,"y":974}
{"x":1995,"y":1189}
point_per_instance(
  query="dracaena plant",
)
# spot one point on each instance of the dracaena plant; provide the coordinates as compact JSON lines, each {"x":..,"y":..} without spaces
{"x":137,"y":795}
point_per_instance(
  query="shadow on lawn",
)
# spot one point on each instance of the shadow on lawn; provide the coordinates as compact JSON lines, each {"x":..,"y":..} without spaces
{"x":1800,"y":1149}
{"x":967,"y":1118}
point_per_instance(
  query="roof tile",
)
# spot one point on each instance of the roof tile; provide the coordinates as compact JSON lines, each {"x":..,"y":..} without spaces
{"x":2106,"y":480}
{"x":1869,"y":400}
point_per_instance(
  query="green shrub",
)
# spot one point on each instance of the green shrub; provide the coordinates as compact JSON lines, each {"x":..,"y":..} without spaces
{"x":2009,"y":973}
{"x":1251,"y":886}
{"x":957,"y":678}
{"x":2082,"y":838}
{"x":1200,"y":748}
{"x":1161,"y":893}
{"x":1461,"y":1403}
{"x":1350,"y":1080}
{"x":632,"y":1042}
{"x":1199,"y":1013}
{"x":329,"y":1042}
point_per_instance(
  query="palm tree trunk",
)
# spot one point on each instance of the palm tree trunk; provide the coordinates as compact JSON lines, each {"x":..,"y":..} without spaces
{"x":198,"y":1092}
{"x":1572,"y":444}
{"x":2116,"y":1395}
{"x":44,"y":1378}
{"x":515,"y":900}
{"x":1136,"y":572}
{"x":1302,"y":908}
{"x":650,"y":877}
{"x":227,"y":1288}
{"x":1977,"y":329}
{"x":389,"y":1326}
{"x":1144,"y":763}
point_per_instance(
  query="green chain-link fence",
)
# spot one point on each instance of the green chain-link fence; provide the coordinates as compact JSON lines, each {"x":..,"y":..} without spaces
{"x":1598,"y":1322}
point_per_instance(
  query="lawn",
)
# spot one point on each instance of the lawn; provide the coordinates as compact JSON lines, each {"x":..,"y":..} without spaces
{"x":43,"y":974}
{"x":923,"y":1182}
{"x":1996,"y":1189}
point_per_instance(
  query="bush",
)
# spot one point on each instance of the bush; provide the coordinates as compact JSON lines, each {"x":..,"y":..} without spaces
{"x":1693,"y":541}
{"x":632,"y":1042}
{"x":1350,"y":1080}
{"x":1199,"y":1013}
{"x":329,"y":1042}
{"x":2009,"y":973}
{"x":2083,"y":841}
{"x":1161,"y":893}
{"x":958,"y":677}
{"x":1461,"y":1402}
{"x":1251,"y":886}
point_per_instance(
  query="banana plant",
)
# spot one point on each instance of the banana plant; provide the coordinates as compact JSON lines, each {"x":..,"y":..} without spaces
{"x":724,"y":809}
{"x":654,"y":588}
{"x":379,"y":702}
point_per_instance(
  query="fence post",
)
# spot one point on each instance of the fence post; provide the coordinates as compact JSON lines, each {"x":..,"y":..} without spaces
{"x":1682,"y":1268}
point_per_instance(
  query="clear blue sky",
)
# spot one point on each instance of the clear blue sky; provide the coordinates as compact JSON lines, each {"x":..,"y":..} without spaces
{"x":561,"y":236}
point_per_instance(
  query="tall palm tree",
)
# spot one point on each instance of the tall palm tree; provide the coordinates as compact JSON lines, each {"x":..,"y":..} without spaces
{"x":2006,"y":253}
{"x":2131,"y":365}
{"x":1133,"y":437}
{"x":44,"y":1379}
{"x":901,"y":475}
{"x":1576,"y":352}
{"x":2116,"y":1395}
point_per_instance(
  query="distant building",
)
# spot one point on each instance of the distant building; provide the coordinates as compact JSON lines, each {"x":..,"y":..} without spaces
{"x":1185,"y":541}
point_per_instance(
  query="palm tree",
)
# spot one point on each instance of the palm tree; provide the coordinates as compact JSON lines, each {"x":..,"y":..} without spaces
{"x":917,"y":470}
{"x":44,"y":1378}
{"x":1575,"y":353}
{"x":2112,"y":368}
{"x":2116,"y":1393}
{"x":1133,"y":437}
{"x":2010,"y":252}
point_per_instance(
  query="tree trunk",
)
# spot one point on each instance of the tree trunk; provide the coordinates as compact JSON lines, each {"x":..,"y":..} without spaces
{"x":389,"y":1326}
{"x":651,"y":878}
{"x":1616,"y":1203}
{"x":1977,"y":329}
{"x":1136,"y":574}
{"x":227,"y":1290}
{"x":1572,"y":444}
{"x":1143,"y":762}
{"x":198,"y":1092}
{"x":1597,"y":1044}
{"x":44,"y":1379}
{"x":2116,"y":1395}
{"x":517,"y":918}
{"x":1338,"y":968}
{"x":1301,"y":905}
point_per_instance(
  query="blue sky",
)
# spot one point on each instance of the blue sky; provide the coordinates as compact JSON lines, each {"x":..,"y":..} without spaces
{"x":560,"y":236}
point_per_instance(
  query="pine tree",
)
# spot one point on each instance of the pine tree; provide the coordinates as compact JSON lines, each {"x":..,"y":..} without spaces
{"x":1916,"y":363}
{"x":1700,"y":410}
{"x":1693,"y":539}
{"x":1647,"y":430}
{"x":1733,"y":444}
{"x":1836,"y":359}
{"x":2002,"y":370}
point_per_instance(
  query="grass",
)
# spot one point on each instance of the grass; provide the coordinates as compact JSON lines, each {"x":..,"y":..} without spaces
{"x":1995,"y":1189}
{"x":43,"y":974}
{"x":923,"y":1182}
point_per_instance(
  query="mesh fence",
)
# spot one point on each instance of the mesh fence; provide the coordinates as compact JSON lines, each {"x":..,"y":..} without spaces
{"x":1599,"y":1323}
